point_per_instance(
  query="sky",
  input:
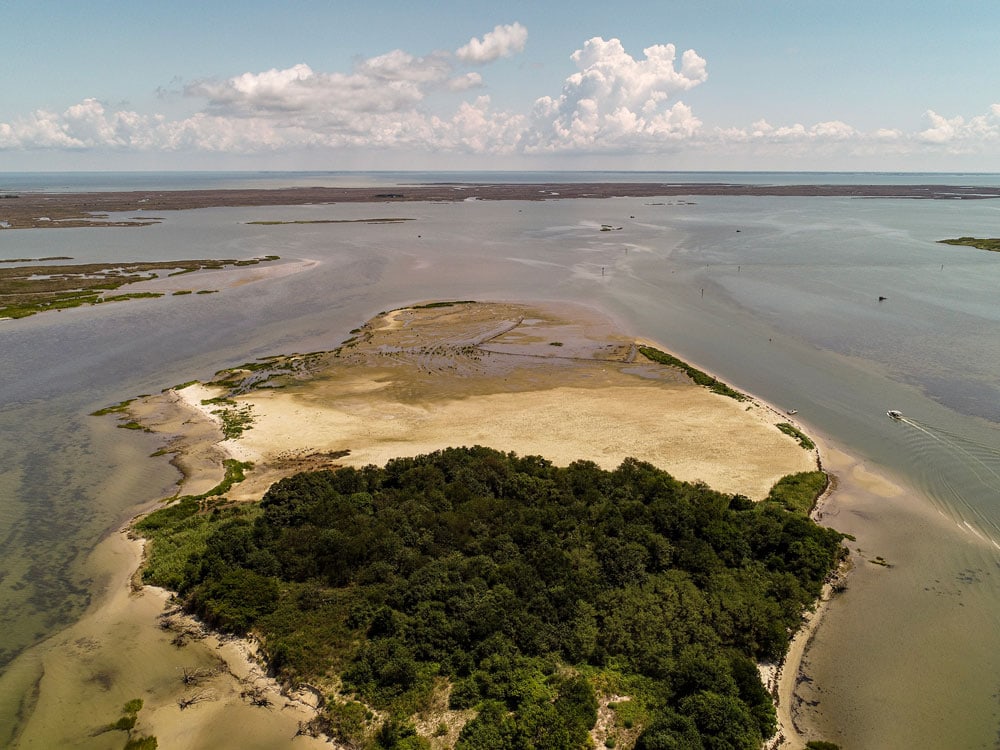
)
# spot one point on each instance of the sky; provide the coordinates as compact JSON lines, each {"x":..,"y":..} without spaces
{"x":762,"y":85}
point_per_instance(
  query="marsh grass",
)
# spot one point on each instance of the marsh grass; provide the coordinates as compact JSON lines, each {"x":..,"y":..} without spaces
{"x":798,"y":492}
{"x":793,"y":431}
{"x":701,"y":378}
{"x":30,"y":289}
{"x":982,"y":243}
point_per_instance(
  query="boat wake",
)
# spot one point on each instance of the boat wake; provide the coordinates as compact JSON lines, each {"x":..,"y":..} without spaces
{"x":982,"y":460}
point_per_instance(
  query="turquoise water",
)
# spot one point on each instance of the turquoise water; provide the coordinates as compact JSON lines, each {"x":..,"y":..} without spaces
{"x":787,"y":307}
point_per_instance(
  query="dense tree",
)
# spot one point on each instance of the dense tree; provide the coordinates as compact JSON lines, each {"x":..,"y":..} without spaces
{"x":518,"y":581}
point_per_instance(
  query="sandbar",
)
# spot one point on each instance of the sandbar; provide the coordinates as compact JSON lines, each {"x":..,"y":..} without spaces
{"x":555,"y":381}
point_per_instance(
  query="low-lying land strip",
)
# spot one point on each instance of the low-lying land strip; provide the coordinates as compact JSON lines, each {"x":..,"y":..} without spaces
{"x":53,"y":210}
{"x":982,"y":243}
{"x":26,"y":290}
{"x":329,"y":221}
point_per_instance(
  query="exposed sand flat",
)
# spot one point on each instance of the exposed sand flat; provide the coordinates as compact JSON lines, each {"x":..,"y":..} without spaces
{"x":552,"y":381}
{"x":89,"y":658}
{"x":555,"y":382}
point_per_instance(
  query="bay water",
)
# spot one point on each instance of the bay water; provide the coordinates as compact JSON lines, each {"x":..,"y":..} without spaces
{"x":778,"y":296}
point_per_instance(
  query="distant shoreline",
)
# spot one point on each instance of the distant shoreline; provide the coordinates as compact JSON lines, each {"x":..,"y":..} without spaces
{"x":26,"y":210}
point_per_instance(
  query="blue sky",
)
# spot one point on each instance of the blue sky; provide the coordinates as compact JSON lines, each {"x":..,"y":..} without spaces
{"x":711,"y":84}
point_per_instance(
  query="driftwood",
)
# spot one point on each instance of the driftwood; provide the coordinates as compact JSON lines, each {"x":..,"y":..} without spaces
{"x":183,"y":629}
{"x":316,"y":727}
{"x":256,"y":696}
{"x":197,"y":676}
{"x":196,"y":698}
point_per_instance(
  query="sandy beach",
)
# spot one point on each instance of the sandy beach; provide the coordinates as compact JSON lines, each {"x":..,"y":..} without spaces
{"x":132,"y":643}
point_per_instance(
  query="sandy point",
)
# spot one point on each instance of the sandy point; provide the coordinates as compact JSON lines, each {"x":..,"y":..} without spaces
{"x":555,"y":381}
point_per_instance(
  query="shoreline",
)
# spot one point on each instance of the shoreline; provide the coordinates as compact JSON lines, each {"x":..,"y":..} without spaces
{"x":875,"y":520}
{"x":783,"y":683}
{"x":178,"y":711}
{"x":73,"y":210}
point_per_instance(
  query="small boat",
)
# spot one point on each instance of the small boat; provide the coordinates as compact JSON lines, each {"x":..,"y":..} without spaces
{"x":893,"y":414}
{"x":790,"y":412}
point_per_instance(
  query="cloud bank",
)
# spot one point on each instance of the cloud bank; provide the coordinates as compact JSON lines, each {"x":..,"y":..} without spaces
{"x":614,"y":103}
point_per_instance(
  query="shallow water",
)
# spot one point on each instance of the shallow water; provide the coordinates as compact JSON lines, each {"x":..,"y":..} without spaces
{"x":787,"y":307}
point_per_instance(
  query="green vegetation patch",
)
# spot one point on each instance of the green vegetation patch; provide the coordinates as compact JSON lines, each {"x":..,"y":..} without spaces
{"x":798,"y":492}
{"x":119,"y":408}
{"x":181,"y":529}
{"x":793,"y":431}
{"x":713,"y":384}
{"x":236,"y":418}
{"x":235,"y":473}
{"x":130,"y":295}
{"x":126,"y":723}
{"x":982,"y":243}
{"x":26,"y":290}
{"x":527,"y":588}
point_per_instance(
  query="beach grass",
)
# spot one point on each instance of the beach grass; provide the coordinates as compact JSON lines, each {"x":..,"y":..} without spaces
{"x":793,"y":431}
{"x":798,"y":492}
{"x":701,"y":378}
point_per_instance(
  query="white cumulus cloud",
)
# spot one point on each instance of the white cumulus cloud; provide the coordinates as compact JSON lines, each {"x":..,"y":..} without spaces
{"x":610,"y":103}
{"x":958,"y":134}
{"x":386,"y":83}
{"x":615,"y":102}
{"x":503,"y":41}
{"x":86,"y":125}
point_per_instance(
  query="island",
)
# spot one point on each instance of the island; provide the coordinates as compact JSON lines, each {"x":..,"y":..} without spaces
{"x":43,"y":287}
{"x":490,"y":525}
